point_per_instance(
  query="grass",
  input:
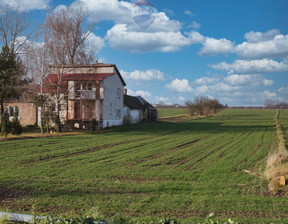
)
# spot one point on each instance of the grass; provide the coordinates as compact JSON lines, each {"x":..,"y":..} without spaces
{"x":184,"y":170}
{"x":169,"y":112}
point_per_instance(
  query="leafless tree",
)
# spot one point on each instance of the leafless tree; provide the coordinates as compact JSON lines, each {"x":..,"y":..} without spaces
{"x":65,"y":37}
{"x":13,"y":28}
{"x":37,"y":62}
{"x":203,"y":106}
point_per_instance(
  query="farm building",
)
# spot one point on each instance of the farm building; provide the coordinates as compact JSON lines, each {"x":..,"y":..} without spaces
{"x":88,"y":92}
{"x":137,"y":110}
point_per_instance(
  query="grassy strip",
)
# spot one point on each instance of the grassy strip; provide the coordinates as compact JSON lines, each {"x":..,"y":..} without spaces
{"x":277,"y":163}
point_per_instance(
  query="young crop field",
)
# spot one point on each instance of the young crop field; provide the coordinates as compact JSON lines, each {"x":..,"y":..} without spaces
{"x":183,"y":170}
{"x":169,"y":112}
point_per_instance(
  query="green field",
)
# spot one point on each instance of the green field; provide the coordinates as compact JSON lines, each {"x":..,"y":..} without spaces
{"x":168,"y":112}
{"x":183,"y":170}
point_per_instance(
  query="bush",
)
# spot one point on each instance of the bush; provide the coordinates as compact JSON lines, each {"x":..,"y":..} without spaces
{"x":94,"y":124}
{"x":16,"y":128}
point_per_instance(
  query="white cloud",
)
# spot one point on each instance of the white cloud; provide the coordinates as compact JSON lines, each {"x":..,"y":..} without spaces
{"x":196,"y":37}
{"x":189,"y":13}
{"x":248,"y":80}
{"x":194,"y":25}
{"x":213,"y":46}
{"x":254,"y":37}
{"x":178,"y":85}
{"x":141,"y":93}
{"x":283,"y":90}
{"x":113,"y":10}
{"x":94,"y":43}
{"x":205,"y":81}
{"x":26,"y":5}
{"x":162,"y":100}
{"x":275,"y":48}
{"x":268,"y":82}
{"x":252,"y":66}
{"x":148,"y":75}
{"x":181,"y":99}
{"x":120,"y":38}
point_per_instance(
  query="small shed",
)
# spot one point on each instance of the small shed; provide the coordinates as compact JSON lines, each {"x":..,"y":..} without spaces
{"x":137,"y":110}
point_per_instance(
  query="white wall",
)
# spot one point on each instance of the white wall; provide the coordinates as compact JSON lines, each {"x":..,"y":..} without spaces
{"x":112,"y":102}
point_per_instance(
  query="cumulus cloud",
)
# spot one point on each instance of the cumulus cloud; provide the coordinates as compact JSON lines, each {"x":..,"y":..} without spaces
{"x":189,"y":13}
{"x":205,"y":81}
{"x":194,"y":25}
{"x":26,"y":5}
{"x":112,"y":10}
{"x":254,"y":37}
{"x":141,"y":93}
{"x":212,"y":46}
{"x":178,"y":85}
{"x":248,"y":80}
{"x":148,"y":75}
{"x":120,"y":38}
{"x":264,"y":48}
{"x":252,"y":66}
{"x":94,"y":43}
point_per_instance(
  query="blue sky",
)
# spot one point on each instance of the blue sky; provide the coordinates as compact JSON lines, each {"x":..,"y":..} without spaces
{"x":231,"y":50}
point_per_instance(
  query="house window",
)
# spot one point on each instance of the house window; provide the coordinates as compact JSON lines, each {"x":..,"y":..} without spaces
{"x":88,"y":107}
{"x":84,"y":86}
{"x":89,"y":86}
{"x":118,"y":114}
{"x":118,"y":92}
{"x":77,"y":91}
{"x":13,"y":111}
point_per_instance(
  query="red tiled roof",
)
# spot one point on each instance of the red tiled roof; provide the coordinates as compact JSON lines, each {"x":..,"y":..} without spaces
{"x":85,"y":77}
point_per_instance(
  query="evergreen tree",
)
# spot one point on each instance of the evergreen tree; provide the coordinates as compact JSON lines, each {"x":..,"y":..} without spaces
{"x":5,"y":124}
{"x":11,"y":76}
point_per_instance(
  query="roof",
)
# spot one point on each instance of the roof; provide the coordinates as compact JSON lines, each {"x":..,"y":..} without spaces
{"x":136,"y":102}
{"x":94,"y":66}
{"x":86,"y":77}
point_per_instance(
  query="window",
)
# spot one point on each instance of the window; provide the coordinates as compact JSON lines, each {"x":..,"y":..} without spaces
{"x":84,"y":86}
{"x":89,"y":86}
{"x":118,"y":92}
{"x":13,"y":111}
{"x":118,"y":114}
{"x":88,"y":107}
{"x":77,"y":91}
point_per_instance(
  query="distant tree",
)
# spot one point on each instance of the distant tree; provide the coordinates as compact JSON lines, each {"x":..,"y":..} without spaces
{"x":269,"y":103}
{"x":203,"y":106}
{"x":5,"y":124}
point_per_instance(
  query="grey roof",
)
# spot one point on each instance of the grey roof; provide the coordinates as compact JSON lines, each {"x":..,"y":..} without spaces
{"x":136,"y":102}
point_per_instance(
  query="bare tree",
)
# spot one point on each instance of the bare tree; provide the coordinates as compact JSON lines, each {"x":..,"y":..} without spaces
{"x":65,"y":38}
{"x":13,"y":28}
{"x":37,"y":62}
{"x":203,"y":106}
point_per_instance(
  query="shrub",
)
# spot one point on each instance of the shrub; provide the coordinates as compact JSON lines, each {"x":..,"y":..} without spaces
{"x":16,"y":128}
{"x":94,"y":124}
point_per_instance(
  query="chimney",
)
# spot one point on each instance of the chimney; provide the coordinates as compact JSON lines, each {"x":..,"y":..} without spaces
{"x":125,"y":91}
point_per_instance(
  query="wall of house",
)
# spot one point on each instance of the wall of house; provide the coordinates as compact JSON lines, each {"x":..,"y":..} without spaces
{"x":27,"y":113}
{"x":113,"y":101}
{"x":132,"y":116}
